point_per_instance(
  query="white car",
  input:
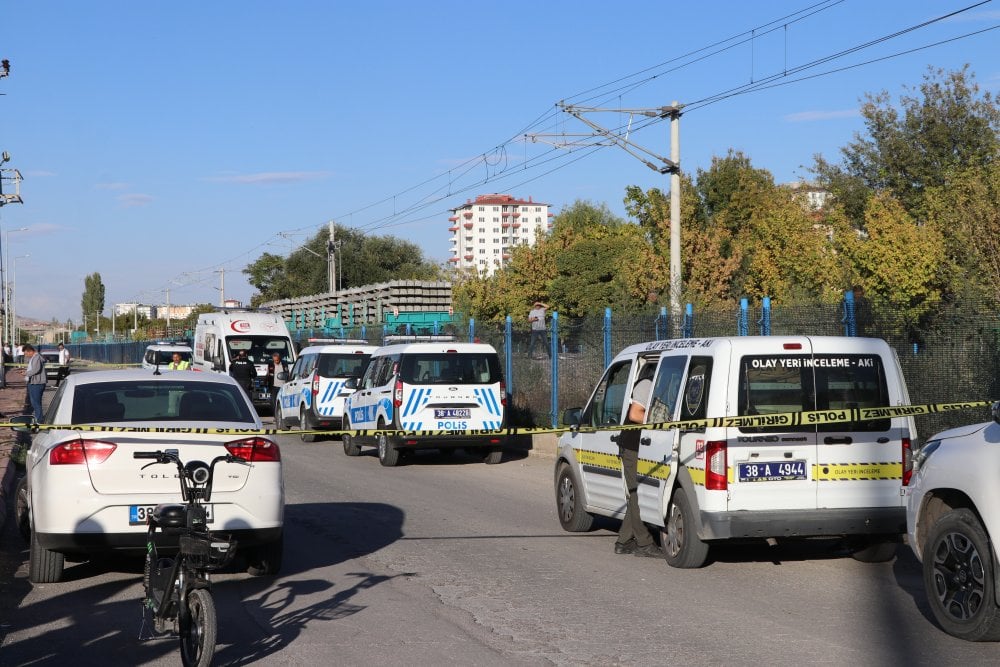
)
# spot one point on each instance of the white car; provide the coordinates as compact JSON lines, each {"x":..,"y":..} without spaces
{"x":159,"y":355}
{"x":952,"y":518}
{"x":85,"y":494}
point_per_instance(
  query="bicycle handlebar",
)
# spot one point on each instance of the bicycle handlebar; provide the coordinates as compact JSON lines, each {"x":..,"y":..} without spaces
{"x":186,"y":482}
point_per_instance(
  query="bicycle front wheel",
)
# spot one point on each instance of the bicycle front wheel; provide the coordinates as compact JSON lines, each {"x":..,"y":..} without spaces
{"x":200,"y":629}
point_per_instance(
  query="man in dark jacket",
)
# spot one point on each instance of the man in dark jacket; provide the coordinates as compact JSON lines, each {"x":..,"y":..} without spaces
{"x":243,"y":371}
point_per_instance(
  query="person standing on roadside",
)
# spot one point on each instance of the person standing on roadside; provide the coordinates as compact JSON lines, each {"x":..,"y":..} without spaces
{"x":18,"y":354}
{"x":274,"y":366}
{"x":243,"y":371}
{"x":536,"y":317}
{"x":34,"y":373}
{"x":64,"y":357}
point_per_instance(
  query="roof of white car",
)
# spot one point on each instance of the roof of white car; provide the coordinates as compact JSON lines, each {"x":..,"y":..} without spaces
{"x":170,"y":347}
{"x":345,"y":348}
{"x":146,"y":375}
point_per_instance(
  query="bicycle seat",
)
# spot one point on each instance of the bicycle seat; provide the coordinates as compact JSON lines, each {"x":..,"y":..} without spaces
{"x":170,"y":516}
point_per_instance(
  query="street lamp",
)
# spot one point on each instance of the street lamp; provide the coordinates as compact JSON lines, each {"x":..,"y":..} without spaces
{"x":13,"y":299}
{"x":8,"y":329}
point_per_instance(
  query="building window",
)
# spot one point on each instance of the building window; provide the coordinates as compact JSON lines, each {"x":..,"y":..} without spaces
{"x":496,"y":230}
{"x":482,"y":230}
{"x":496,"y":251}
{"x":482,"y":219}
{"x":482,"y":251}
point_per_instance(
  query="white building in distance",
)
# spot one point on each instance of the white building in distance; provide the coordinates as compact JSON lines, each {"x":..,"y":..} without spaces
{"x":484,"y":231}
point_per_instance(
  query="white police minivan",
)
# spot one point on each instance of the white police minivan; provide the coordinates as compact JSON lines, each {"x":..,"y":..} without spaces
{"x":700,"y":484}
{"x":440,"y":386}
{"x":314,"y":391}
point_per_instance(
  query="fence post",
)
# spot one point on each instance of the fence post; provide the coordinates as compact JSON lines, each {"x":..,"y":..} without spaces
{"x":687,"y":330}
{"x":742,"y":320}
{"x":850,"y":324}
{"x":472,"y":330}
{"x":508,"y":361}
{"x":555,"y":369}
{"x":662,"y":319}
{"x":765,"y":316}
{"x":607,"y":337}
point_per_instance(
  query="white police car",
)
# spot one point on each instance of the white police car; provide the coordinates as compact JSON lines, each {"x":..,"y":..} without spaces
{"x":952,"y":518}
{"x":314,"y":390}
{"x":160,"y":355}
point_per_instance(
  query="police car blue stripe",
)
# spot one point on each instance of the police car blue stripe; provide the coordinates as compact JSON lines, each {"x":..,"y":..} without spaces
{"x":410,"y":407}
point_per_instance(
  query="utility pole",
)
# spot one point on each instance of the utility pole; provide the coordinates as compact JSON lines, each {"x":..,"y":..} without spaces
{"x":647,"y":157}
{"x":222,"y":288}
{"x":168,"y":313}
{"x":331,"y":261}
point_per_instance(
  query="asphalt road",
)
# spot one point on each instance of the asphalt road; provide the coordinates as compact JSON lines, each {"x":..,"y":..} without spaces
{"x":451,"y":561}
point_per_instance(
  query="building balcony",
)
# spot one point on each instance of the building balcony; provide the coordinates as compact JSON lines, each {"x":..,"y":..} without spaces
{"x":505,"y":225}
{"x":453,"y":259}
{"x":517,"y":214}
{"x":468,"y":225}
{"x":468,"y":258}
{"x":453,"y":229}
{"x":467,"y":214}
{"x":453,"y":218}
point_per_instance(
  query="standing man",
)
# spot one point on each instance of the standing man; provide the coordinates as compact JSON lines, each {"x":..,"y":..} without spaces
{"x":243,"y":371}
{"x":34,"y":373}
{"x":633,"y":536}
{"x":64,"y":358}
{"x":274,"y":366}
{"x":178,"y":363}
{"x":536,"y":317}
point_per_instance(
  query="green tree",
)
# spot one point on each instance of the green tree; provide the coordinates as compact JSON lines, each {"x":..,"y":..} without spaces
{"x":945,"y":125}
{"x":362,"y":260}
{"x":92,"y":301}
{"x":720,"y":186}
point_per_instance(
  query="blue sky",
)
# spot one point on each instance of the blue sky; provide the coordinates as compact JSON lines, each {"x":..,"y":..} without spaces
{"x":161,"y":143}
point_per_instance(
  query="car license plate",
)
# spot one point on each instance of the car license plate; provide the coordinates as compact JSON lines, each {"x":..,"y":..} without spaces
{"x":452,"y":413}
{"x":772,"y":471}
{"x":137,"y":514}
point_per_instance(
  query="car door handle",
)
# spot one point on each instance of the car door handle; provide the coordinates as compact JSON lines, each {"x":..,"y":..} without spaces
{"x":614,"y":438}
{"x":882,"y":440}
{"x":846,"y":440}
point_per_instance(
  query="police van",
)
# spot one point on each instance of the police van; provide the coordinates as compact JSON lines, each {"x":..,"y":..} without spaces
{"x":429,"y":386}
{"x":220,"y":336}
{"x":778,"y":478}
{"x":314,"y":388}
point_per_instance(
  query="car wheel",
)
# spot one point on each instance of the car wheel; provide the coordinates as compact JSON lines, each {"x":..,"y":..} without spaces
{"x":388,"y":455}
{"x":494,"y":456}
{"x":279,"y":422}
{"x":959,"y":577}
{"x":44,"y":566}
{"x":306,"y":425}
{"x":265,"y":559}
{"x":569,"y":502}
{"x":22,"y":515}
{"x":679,"y":536}
{"x":351,"y":448}
{"x":876,"y":549}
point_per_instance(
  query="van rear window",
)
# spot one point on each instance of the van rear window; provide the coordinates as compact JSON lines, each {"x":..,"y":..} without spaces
{"x":450,"y":368}
{"x":342,"y":365}
{"x":772,"y":384}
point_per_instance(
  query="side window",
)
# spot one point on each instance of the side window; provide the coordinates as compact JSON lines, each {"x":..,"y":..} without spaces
{"x":294,"y":372}
{"x":308,"y":365}
{"x":368,"y":381}
{"x":663,"y":404}
{"x":694,"y":401}
{"x":387,"y":371}
{"x":608,"y":402}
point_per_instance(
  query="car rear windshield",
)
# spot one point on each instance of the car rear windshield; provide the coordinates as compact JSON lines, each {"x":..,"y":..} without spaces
{"x":449,"y":368}
{"x":772,"y":384}
{"x":164,"y":357}
{"x":342,"y":365}
{"x":171,"y":401}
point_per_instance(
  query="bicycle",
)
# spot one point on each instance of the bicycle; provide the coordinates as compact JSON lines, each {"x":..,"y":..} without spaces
{"x":178,"y":590}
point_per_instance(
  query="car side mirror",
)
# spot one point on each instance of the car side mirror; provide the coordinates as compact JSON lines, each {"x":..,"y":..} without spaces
{"x":571,"y":417}
{"x":23,"y":424}
{"x":282,"y":376}
{"x":352,"y":383}
{"x":995,"y":410}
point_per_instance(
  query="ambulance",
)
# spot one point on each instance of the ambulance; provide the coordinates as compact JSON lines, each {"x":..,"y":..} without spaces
{"x":441,"y":386}
{"x":220,"y":336}
{"x":781,"y":478}
{"x":314,"y":389}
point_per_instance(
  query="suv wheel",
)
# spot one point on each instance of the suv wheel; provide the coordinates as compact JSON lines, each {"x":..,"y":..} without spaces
{"x":387,"y":454}
{"x":351,"y":448}
{"x":959,"y":577}
{"x":679,"y":536}
{"x":306,"y":425}
{"x":22,"y":515}
{"x":44,"y":566}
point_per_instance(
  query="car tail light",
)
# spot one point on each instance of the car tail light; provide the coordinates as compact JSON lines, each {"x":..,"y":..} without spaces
{"x":716,"y":466}
{"x":907,"y":461}
{"x":315,"y":383}
{"x":503,"y":393}
{"x":79,"y":452}
{"x":397,"y":394}
{"x":255,"y":450}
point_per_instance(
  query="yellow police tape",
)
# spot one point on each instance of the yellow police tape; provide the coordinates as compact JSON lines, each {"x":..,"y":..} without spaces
{"x":786,"y":419}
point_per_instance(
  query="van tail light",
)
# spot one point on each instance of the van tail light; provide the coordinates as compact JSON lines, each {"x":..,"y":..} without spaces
{"x":255,"y":450}
{"x":907,"y":461}
{"x":315,"y":383}
{"x":79,"y":452}
{"x":716,"y":466}
{"x":397,"y":394}
{"x":503,"y":393}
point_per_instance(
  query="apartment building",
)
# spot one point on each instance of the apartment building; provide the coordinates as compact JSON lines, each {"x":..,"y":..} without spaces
{"x":485,"y":230}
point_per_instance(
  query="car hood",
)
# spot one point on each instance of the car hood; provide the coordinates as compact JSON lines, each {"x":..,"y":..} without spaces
{"x":121,"y":473}
{"x":960,"y":431}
